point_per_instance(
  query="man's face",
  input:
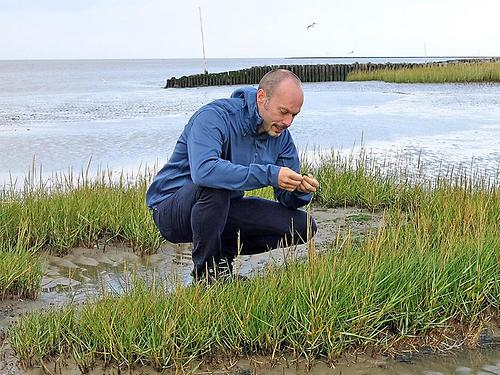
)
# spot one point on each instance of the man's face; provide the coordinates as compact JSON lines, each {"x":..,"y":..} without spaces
{"x":279,"y":110}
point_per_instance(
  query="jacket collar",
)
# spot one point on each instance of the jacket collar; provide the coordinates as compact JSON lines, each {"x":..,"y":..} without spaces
{"x":254,"y":122}
{"x":251,"y":118}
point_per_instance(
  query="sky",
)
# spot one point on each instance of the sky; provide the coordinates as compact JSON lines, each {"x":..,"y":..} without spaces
{"x":114,"y":29}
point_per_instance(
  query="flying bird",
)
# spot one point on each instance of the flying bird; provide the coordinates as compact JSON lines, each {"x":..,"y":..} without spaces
{"x":311,"y":25}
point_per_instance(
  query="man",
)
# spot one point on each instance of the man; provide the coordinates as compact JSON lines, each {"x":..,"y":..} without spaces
{"x":227,"y":147}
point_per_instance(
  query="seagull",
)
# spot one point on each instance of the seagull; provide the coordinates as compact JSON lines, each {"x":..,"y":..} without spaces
{"x":311,"y":25}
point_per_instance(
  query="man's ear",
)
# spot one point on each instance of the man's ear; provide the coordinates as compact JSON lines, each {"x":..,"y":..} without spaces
{"x":261,"y":96}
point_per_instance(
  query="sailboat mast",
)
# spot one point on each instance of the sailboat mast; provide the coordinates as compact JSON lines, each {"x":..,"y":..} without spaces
{"x":203,"y":44}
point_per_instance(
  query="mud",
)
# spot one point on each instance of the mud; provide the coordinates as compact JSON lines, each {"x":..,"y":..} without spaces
{"x":485,"y":361}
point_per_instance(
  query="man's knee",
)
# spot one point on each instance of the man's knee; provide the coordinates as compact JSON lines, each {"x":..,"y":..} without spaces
{"x":215,"y":196}
{"x":209,"y":213}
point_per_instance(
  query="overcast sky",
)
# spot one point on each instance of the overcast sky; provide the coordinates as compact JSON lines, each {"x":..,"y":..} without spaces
{"x":74,"y":29}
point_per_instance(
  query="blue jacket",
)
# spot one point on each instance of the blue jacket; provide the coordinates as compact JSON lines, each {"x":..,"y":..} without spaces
{"x":220,"y":148}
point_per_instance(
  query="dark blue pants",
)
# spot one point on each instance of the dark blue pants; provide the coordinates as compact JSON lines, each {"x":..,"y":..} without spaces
{"x":209,"y":219}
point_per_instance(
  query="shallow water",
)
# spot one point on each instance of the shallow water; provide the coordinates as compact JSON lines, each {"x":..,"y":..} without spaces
{"x":117,"y":115}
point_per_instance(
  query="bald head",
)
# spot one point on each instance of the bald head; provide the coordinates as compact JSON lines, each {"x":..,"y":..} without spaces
{"x":279,"y":100}
{"x":274,"y":78}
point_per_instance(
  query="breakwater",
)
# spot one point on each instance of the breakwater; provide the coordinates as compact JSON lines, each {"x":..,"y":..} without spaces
{"x":307,"y":73}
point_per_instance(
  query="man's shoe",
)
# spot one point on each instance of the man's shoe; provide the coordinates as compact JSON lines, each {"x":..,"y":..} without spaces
{"x":222,"y":272}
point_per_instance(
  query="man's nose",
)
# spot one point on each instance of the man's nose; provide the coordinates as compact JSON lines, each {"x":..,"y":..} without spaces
{"x":288,"y":119}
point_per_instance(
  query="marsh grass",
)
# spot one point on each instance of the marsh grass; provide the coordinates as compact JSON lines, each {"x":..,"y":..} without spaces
{"x":445,"y":73}
{"x":433,"y":263}
{"x":20,"y":268}
{"x":81,"y":210}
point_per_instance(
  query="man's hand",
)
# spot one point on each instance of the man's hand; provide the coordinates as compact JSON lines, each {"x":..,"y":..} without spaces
{"x":309,"y":184}
{"x":289,"y":179}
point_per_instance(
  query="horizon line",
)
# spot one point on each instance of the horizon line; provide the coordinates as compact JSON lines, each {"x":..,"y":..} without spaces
{"x":252,"y":58}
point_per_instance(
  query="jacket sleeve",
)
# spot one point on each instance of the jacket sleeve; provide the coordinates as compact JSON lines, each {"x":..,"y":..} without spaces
{"x":208,"y":133}
{"x":289,"y":158}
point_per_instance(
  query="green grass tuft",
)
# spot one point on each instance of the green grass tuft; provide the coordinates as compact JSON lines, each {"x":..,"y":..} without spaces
{"x":444,"y":73}
{"x":20,"y":268}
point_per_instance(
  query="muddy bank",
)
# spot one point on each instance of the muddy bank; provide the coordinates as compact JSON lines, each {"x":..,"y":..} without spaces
{"x":484,"y":361}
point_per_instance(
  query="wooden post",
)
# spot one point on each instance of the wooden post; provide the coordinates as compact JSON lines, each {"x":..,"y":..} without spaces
{"x":306,"y":72}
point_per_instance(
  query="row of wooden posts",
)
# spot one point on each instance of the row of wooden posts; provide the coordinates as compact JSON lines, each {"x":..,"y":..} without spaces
{"x":307,"y":73}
